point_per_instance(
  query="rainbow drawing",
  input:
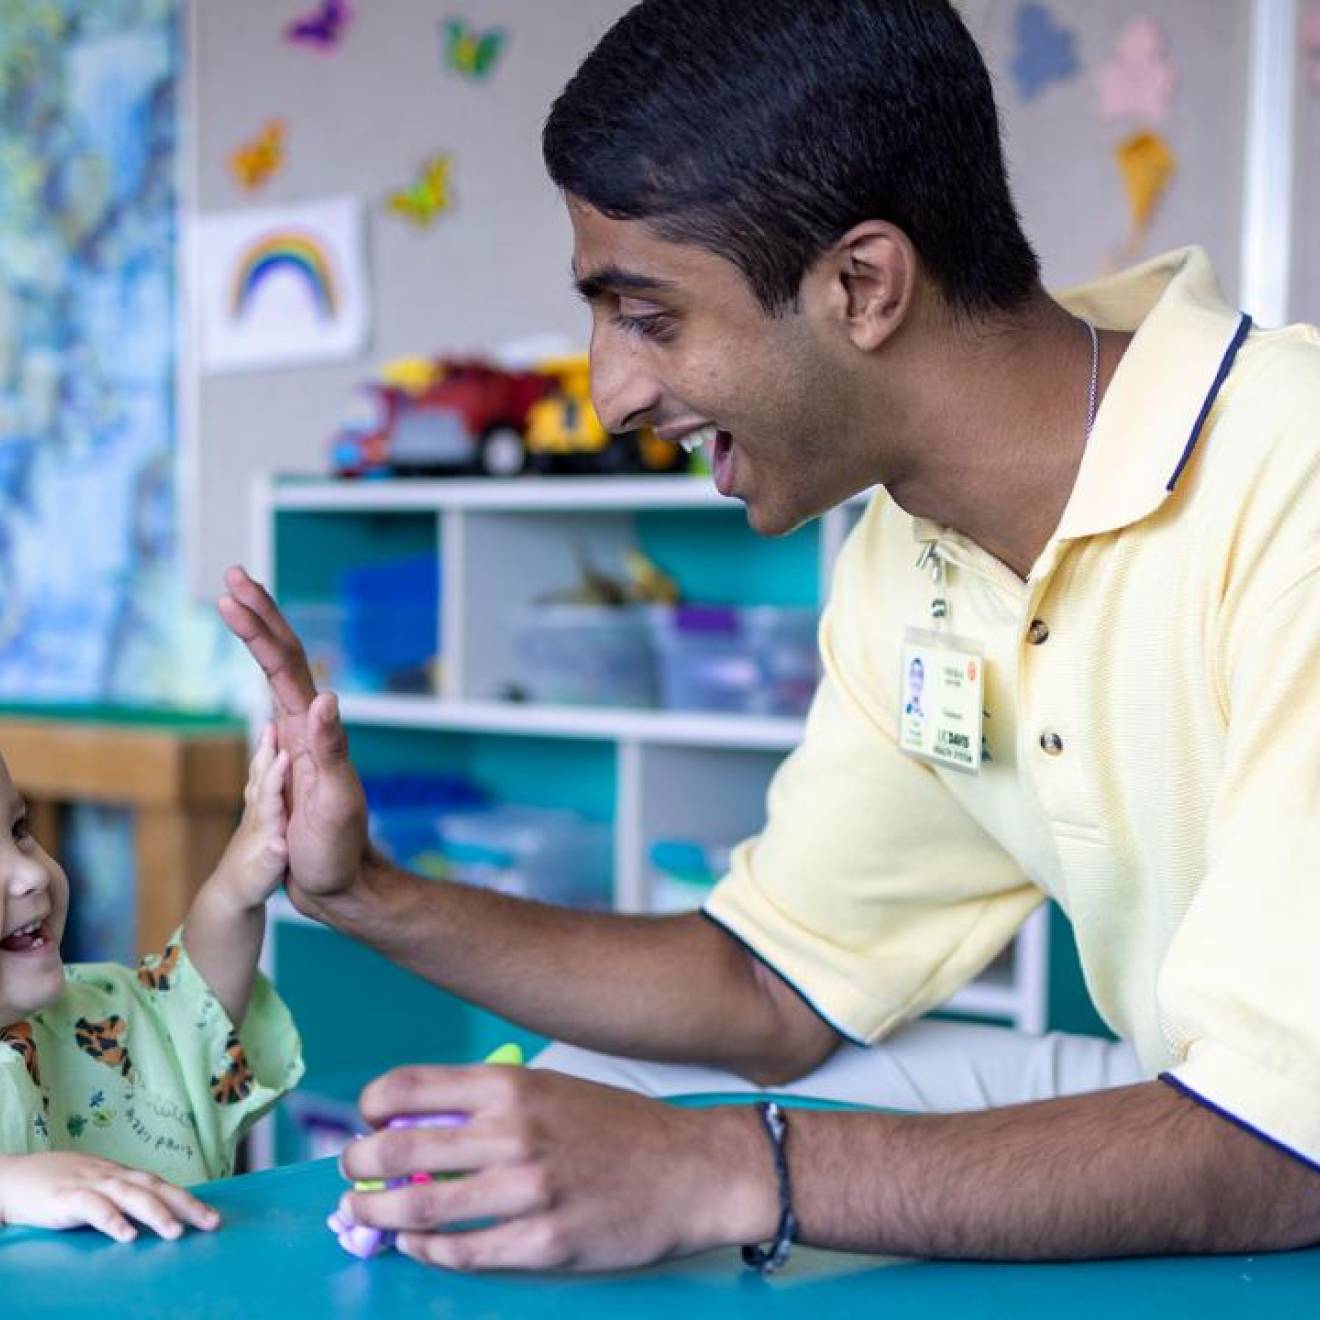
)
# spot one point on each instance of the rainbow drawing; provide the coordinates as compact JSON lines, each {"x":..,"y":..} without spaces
{"x":286,"y":250}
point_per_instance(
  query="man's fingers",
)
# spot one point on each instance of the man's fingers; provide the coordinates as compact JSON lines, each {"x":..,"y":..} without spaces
{"x":254,"y":618}
{"x":521,"y":1244}
{"x":101,"y":1213}
{"x":499,"y":1193}
{"x":396,"y":1153}
{"x":182,"y":1202}
{"x":432,"y":1088}
{"x":249,"y":593}
{"x":144,"y":1205}
{"x":327,"y":738}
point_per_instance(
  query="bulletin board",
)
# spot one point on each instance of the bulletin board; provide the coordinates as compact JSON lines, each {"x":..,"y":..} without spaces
{"x":361,"y":117}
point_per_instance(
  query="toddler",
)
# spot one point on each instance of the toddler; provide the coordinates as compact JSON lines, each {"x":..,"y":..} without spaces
{"x":117,"y":1084}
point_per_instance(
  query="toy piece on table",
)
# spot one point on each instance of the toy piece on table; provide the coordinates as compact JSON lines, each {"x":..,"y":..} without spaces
{"x":365,"y":1242}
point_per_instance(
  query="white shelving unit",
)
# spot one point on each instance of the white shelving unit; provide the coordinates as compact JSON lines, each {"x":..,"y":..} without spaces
{"x":503,"y":543}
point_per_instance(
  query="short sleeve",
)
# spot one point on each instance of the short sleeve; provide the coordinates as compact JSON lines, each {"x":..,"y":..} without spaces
{"x":23,"y":1126}
{"x":230,"y":1077}
{"x":871,"y":890}
{"x":1239,"y":990}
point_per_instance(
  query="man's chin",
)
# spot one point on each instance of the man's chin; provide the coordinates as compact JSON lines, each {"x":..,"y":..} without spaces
{"x":767,"y":519}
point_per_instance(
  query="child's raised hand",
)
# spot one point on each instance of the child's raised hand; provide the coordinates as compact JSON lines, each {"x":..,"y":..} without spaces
{"x":254,"y":862}
{"x":66,"y":1190}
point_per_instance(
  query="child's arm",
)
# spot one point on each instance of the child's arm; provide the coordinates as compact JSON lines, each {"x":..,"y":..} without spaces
{"x":224,"y":927}
{"x":64,"y":1190}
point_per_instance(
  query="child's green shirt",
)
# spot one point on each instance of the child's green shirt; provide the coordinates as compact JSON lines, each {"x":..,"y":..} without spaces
{"x":145,"y":1068}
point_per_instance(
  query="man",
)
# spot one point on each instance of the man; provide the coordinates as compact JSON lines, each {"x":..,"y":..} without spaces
{"x":1100,"y":535}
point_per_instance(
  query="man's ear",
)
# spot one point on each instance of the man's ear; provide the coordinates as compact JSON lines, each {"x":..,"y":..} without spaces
{"x":870,"y":276}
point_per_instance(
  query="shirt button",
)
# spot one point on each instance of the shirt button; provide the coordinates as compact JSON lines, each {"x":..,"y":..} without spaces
{"x":1051,"y":744}
{"x":1038,"y":632}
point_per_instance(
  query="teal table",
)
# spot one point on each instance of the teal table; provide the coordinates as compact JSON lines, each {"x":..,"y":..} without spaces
{"x":274,"y":1258}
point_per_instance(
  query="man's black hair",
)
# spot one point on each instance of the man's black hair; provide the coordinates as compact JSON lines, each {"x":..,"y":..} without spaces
{"x":763,"y":130}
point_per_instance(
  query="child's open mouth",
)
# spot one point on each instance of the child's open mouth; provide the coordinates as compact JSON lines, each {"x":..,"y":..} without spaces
{"x":27,"y":939}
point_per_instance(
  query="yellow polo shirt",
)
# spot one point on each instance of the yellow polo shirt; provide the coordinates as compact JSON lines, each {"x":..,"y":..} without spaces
{"x":1152,"y":722}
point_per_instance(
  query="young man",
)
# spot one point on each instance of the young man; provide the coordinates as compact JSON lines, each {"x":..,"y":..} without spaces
{"x":1100,"y":536}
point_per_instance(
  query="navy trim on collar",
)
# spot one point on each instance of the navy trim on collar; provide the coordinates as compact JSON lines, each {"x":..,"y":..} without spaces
{"x":1239,"y":335}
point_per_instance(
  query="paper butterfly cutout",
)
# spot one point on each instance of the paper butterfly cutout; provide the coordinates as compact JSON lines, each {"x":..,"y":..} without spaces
{"x":1139,"y":80}
{"x":425,"y":200}
{"x":322,"y":27}
{"x":1045,"y":51}
{"x":1311,"y":45}
{"x":253,"y":162}
{"x":469,"y":52}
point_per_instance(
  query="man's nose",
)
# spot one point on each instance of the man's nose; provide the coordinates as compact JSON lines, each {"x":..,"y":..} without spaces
{"x":624,"y":394}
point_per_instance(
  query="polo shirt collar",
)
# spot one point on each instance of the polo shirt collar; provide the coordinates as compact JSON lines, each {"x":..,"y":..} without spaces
{"x":1154,"y":411}
{"x":1156,"y":406}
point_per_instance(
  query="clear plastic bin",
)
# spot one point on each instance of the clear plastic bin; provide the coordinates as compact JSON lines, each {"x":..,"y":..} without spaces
{"x":784,"y":643}
{"x":531,"y":852}
{"x":584,"y":655}
{"x":747,"y":661}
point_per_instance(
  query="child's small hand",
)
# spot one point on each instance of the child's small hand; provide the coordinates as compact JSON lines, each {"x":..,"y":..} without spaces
{"x":255,"y":860}
{"x":66,"y":1190}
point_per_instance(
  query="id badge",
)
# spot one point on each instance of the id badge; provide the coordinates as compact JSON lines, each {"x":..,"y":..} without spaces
{"x":940,"y":691}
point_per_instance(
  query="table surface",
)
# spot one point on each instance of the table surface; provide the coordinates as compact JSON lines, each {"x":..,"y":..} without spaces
{"x":274,"y":1257}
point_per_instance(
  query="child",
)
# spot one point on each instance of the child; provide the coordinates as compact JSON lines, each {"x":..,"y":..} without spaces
{"x":113,"y":1081}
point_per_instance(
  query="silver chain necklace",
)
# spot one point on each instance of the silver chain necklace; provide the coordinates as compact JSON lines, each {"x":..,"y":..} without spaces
{"x":1095,"y":376}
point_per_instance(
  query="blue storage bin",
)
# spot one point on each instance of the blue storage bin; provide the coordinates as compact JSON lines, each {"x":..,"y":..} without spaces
{"x":391,"y":625}
{"x":405,"y":810}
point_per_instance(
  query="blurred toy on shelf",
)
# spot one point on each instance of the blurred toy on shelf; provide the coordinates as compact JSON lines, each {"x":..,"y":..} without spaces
{"x":466,"y":416}
{"x":446,"y":416}
{"x":565,"y":435}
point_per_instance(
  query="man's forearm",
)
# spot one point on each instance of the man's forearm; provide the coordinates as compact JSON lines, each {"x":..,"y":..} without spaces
{"x":1140,"y":1170}
{"x":665,"y":988}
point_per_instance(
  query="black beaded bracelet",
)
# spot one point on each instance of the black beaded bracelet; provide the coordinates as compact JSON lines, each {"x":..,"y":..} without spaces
{"x":768,"y":1259}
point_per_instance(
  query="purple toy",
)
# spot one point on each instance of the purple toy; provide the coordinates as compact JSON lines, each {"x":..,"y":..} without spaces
{"x":364,"y":1242}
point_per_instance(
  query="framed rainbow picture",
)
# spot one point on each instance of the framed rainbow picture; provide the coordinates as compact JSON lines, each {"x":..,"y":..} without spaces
{"x":281,"y":287}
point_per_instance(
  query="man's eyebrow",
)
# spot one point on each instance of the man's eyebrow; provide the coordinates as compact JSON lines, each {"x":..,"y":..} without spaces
{"x":614,"y":279}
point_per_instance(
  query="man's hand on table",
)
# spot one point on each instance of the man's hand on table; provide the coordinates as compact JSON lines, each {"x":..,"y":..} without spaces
{"x":580,"y":1176}
{"x":327,"y":831}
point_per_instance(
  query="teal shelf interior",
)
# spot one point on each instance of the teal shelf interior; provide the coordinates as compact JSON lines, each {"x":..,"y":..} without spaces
{"x":717,"y":559}
{"x":312,"y":547}
{"x":577,"y":774}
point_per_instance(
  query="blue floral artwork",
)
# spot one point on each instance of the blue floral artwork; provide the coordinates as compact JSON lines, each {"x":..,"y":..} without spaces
{"x":1044,"y":51}
{"x":93,"y":602}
